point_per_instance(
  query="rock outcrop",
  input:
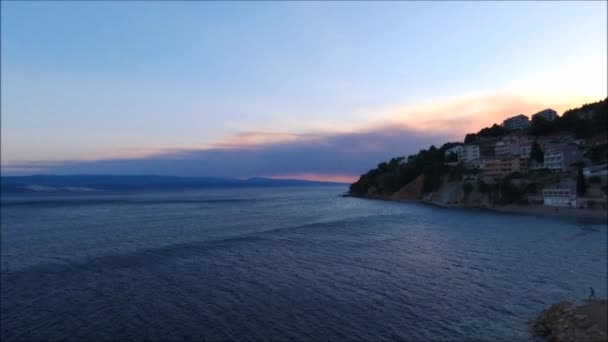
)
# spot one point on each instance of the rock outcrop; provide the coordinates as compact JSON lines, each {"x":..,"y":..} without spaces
{"x":566,"y":322}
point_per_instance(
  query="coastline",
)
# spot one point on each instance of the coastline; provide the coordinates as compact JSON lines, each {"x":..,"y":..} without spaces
{"x":563,"y":212}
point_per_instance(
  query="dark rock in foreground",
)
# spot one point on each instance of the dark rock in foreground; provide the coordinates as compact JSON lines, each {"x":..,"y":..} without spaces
{"x":565,"y":321}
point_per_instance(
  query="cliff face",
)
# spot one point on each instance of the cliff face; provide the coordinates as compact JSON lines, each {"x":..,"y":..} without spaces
{"x":453,"y":194}
{"x":412,"y":191}
{"x":448,"y":194}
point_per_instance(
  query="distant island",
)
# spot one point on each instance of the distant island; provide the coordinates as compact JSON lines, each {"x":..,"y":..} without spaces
{"x":546,"y":164}
{"x":80,"y":183}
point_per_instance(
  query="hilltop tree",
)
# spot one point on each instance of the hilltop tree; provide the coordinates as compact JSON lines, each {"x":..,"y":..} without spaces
{"x":541,"y":126}
{"x":470,"y":138}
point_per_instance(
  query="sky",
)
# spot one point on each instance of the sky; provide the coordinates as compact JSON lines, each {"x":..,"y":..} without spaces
{"x":309,"y":90}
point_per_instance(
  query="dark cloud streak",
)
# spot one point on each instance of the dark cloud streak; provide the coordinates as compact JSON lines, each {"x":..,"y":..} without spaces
{"x":344,"y":153}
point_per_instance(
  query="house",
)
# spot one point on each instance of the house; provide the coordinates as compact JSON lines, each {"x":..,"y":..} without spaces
{"x":554,"y":161}
{"x":498,"y":167}
{"x":510,"y":145}
{"x":598,"y":171}
{"x":547,"y":114}
{"x":471,"y":152}
{"x":516,"y":122}
{"x":559,"y":197}
{"x":559,"y":157}
{"x":464,"y":153}
{"x":580,"y":142}
{"x":502,"y":149}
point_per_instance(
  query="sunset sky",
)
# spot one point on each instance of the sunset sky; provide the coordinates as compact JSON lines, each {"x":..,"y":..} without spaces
{"x":311,"y":90}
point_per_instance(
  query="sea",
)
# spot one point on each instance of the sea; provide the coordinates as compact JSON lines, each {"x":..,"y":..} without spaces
{"x":283,"y":263}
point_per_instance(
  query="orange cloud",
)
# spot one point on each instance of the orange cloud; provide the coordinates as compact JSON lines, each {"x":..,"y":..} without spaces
{"x":338,"y":178}
{"x":252,"y":139}
{"x":449,"y":117}
{"x":457,"y":116}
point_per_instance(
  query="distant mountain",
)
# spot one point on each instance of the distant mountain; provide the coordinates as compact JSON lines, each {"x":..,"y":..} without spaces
{"x":52,"y":183}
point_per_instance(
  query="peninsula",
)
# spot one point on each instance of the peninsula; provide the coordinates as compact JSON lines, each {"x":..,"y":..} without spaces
{"x":549,"y":164}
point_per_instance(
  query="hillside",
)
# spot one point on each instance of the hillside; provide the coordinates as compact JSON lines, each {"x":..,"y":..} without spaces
{"x":430,"y":173}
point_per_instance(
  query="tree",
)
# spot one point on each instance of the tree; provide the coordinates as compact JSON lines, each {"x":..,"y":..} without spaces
{"x":509,"y":193}
{"x":598,"y":154}
{"x":452,"y":157}
{"x":467,"y":188}
{"x":537,"y":153}
{"x":470,"y":138}
{"x":483,"y":187}
{"x":581,"y":186}
{"x":493,"y":132}
{"x":541,"y":126}
{"x":456,"y":172}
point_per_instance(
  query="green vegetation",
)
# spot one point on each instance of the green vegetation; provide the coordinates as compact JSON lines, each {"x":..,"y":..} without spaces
{"x":595,"y":180}
{"x":537,"y":153}
{"x":467,"y":188}
{"x":583,"y":122}
{"x":495,"y":131}
{"x":452,"y":157}
{"x":392,"y":176}
{"x":456,"y":173}
{"x":483,"y":187}
{"x":509,"y":192}
{"x":598,"y":154}
{"x":581,"y":185}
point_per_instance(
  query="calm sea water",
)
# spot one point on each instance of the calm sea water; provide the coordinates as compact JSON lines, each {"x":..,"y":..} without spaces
{"x":283,"y":263}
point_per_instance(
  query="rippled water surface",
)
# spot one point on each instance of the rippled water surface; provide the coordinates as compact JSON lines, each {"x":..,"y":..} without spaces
{"x":283,"y":263}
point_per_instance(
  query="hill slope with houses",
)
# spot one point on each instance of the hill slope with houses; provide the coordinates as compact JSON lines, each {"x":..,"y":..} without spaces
{"x":543,"y":160}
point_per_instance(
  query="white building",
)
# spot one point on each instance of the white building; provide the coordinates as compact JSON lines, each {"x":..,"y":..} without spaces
{"x":547,"y":114}
{"x":464,"y":153}
{"x":598,"y":171}
{"x":559,"y":197}
{"x":510,"y":145}
{"x":516,"y":122}
{"x":554,"y":161}
{"x":502,"y":148}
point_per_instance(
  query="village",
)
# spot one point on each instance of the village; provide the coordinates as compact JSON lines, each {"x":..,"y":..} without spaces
{"x":524,"y":164}
{"x":555,"y":168}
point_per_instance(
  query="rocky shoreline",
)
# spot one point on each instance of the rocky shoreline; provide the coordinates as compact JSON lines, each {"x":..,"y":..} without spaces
{"x":596,"y":214}
{"x":566,"y":321}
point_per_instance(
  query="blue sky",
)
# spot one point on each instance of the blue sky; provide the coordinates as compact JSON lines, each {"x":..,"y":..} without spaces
{"x":111,"y":81}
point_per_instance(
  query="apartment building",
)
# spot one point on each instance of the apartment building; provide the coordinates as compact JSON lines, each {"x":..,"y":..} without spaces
{"x":498,"y":167}
{"x":554,"y":161}
{"x":559,"y":157}
{"x":559,"y":197}
{"x":511,"y":145}
{"x":465,"y":153}
{"x":516,"y":122}
{"x":547,"y":114}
